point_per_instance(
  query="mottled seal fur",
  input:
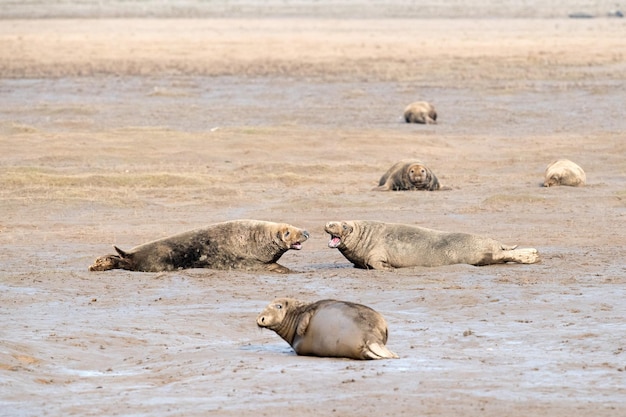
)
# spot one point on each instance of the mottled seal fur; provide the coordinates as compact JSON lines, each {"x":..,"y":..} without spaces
{"x":237,"y":244}
{"x":408,"y":174}
{"x":328,"y":328}
{"x":564,"y":172}
{"x":378,"y":245}
{"x":420,"y":112}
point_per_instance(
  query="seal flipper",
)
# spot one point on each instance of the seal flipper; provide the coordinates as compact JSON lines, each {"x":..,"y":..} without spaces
{"x":382,"y":187}
{"x":378,"y":351}
{"x":303,"y":323}
{"x":522,"y":256}
{"x":107,"y":262}
{"x":274,"y":267}
{"x":120,"y":252}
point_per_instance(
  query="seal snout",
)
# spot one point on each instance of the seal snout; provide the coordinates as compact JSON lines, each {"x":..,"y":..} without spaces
{"x":260,"y":321}
{"x":298,"y":244}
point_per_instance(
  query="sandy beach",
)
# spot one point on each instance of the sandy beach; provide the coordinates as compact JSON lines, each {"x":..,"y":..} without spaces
{"x":120,"y":126}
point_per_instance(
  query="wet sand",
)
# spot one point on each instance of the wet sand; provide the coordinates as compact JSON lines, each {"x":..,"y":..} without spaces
{"x":120,"y":131}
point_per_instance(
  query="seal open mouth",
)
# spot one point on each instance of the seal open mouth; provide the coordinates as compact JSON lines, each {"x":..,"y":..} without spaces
{"x":298,"y":245}
{"x":334,"y":241}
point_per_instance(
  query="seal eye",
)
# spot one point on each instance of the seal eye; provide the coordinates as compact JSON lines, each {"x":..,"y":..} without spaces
{"x":286,"y":233}
{"x":278,"y":306}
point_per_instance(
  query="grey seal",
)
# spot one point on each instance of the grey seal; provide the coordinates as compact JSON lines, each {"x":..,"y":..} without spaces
{"x":328,"y":328}
{"x":408,"y":175}
{"x":236,"y":244}
{"x":378,"y":245}
{"x":420,"y":112}
{"x":564,"y":172}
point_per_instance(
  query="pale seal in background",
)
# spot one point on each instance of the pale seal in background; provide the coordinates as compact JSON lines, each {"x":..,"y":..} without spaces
{"x":420,"y":112}
{"x":564,"y":172}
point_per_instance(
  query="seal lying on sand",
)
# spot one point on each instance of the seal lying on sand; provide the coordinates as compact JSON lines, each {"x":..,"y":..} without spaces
{"x":377,"y":245}
{"x":237,"y":244}
{"x":328,"y":328}
{"x":408,"y":174}
{"x":564,"y":172}
{"x":420,"y":112}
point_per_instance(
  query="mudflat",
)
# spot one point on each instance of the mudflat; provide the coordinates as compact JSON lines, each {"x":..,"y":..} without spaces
{"x":125,"y":130}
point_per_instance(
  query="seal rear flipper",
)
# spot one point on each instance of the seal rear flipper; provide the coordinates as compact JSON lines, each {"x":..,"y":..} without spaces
{"x":125,"y":260}
{"x":121,"y":252}
{"x":383,"y":187}
{"x":278,"y":268}
{"x":104,"y":263}
{"x":378,"y":351}
{"x":523,"y":256}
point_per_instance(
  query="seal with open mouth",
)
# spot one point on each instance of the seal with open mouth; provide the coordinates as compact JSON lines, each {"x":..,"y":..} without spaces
{"x":378,"y":245}
{"x":236,"y":244}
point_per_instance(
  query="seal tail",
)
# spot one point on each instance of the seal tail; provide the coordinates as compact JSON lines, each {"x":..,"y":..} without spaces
{"x":378,"y":351}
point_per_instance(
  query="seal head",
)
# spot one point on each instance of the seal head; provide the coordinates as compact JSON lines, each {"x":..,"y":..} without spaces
{"x":337,"y":231}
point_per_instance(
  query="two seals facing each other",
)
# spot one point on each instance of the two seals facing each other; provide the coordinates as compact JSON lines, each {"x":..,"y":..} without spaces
{"x":408,"y":175}
{"x":564,"y":172}
{"x":420,"y":112}
{"x":378,"y":245}
{"x":328,"y":328}
{"x":236,"y":244}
